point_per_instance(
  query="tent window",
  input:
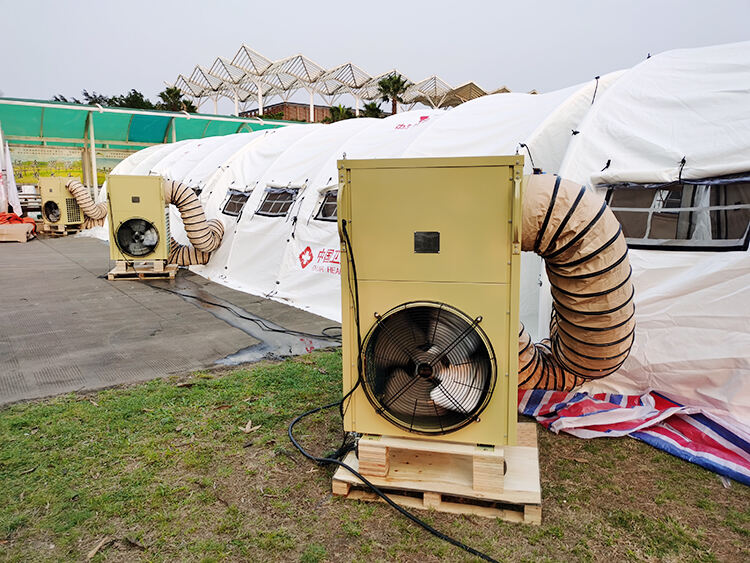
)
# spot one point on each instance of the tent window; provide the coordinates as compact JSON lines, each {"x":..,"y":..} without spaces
{"x":277,"y":202}
{"x":328,"y":209}
{"x":235,"y":202}
{"x":684,"y":216}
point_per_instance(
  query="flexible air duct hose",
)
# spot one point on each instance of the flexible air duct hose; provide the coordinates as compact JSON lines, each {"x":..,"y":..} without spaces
{"x":205,"y":236}
{"x":586,"y":256}
{"x":186,"y":255}
{"x":94,"y":213}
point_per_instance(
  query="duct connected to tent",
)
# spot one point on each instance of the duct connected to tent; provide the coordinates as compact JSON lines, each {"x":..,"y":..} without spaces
{"x":205,"y":236}
{"x":686,"y":301}
{"x":593,"y":322}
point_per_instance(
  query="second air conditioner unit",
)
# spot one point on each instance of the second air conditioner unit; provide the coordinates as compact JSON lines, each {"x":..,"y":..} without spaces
{"x":60,"y":210}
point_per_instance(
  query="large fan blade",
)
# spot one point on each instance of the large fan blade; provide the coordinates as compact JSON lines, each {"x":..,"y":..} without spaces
{"x":409,"y":395}
{"x":137,"y":237}
{"x":425,"y":323}
{"x":51,"y":211}
{"x":427,"y":369}
{"x":461,"y":386}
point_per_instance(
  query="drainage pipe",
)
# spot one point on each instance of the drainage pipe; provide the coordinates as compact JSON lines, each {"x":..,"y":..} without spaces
{"x":593,"y":326}
{"x":204,"y":235}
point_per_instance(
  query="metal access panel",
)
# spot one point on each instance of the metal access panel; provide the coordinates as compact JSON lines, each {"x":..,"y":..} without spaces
{"x":434,"y":230}
{"x":59,"y":207}
{"x":137,"y":197}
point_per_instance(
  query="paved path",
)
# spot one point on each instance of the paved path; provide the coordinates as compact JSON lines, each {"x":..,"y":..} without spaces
{"x":64,"y":327}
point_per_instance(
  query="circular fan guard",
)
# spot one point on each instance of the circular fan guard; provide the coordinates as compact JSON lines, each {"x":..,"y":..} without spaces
{"x":137,"y":237}
{"x":429,"y":368}
{"x":51,"y":212}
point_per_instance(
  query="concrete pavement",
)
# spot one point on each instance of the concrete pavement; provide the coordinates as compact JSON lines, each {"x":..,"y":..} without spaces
{"x":64,"y":327}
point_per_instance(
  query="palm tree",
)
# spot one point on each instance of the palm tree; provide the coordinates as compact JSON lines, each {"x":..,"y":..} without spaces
{"x":391,"y":87}
{"x":372,"y":110}
{"x":134,"y":99}
{"x":338,"y":113}
{"x":171,"y":100}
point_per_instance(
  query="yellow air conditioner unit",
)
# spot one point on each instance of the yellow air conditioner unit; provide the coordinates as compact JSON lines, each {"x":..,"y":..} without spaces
{"x":436,"y":246}
{"x":138,"y":219}
{"x":60,"y":210}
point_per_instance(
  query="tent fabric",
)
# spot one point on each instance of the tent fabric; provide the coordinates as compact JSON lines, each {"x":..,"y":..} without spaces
{"x":692,"y":334}
{"x":9,"y":185}
{"x":261,"y":255}
{"x":692,"y":337}
{"x":685,"y":432}
{"x":690,"y":103}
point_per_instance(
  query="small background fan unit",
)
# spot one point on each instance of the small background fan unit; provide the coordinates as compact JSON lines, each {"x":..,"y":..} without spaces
{"x":60,"y":211}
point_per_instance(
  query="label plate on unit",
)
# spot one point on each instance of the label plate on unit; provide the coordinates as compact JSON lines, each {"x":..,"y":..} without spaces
{"x":427,"y":242}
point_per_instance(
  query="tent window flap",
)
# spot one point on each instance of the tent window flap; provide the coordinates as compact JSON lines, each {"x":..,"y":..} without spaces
{"x":235,"y":202}
{"x":710,"y":216}
{"x":277,"y":202}
{"x":328,"y":210}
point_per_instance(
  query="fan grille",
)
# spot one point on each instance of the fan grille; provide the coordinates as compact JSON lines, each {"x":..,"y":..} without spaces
{"x":74,"y":210}
{"x":137,"y":237}
{"x":429,"y":368}
{"x":51,"y":212}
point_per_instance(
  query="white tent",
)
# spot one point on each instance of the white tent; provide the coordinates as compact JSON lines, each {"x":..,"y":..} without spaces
{"x":261,"y":255}
{"x":627,"y":129}
{"x":693,"y":307}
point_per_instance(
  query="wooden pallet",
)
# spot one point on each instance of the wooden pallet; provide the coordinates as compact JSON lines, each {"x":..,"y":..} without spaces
{"x":443,"y":476}
{"x":150,"y":269}
{"x":61,"y":230}
{"x":487,"y":463}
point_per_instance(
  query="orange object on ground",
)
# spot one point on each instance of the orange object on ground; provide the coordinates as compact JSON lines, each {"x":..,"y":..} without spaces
{"x":6,"y":218}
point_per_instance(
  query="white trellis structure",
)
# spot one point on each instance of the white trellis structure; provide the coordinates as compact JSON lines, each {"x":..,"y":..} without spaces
{"x":345,"y":78}
{"x":432,"y":91}
{"x":249,"y":79}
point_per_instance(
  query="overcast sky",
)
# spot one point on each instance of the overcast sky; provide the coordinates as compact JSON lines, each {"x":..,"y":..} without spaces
{"x":61,"y":47}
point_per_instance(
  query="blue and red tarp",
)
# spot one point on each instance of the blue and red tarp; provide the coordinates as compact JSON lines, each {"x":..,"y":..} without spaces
{"x":683,"y":431}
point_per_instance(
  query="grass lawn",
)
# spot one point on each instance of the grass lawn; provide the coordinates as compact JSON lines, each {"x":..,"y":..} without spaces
{"x":163,"y":471}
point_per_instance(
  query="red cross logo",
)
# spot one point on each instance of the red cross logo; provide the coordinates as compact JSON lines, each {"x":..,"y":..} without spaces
{"x":306,"y":257}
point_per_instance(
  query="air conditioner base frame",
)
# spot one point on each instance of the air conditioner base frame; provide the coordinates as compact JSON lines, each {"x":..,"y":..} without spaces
{"x":446,"y":481}
{"x":147,"y":269}
{"x":61,"y":230}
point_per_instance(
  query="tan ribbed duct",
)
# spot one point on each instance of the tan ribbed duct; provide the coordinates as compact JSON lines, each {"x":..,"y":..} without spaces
{"x":205,"y":236}
{"x":94,"y":213}
{"x":586,"y":257}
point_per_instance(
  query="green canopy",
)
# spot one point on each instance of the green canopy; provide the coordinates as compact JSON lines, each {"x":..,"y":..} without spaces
{"x":38,"y":122}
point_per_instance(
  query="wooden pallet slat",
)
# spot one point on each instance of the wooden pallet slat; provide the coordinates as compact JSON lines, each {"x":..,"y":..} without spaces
{"x":427,"y":500}
{"x":457,"y":478}
{"x":61,"y":230}
{"x":150,"y":269}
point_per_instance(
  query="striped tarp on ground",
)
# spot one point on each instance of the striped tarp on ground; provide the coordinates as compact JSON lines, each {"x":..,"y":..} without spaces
{"x":653,"y":418}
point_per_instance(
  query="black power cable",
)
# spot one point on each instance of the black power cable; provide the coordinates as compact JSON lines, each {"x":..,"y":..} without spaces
{"x":259,"y":322}
{"x":332,"y":459}
{"x":345,"y":447}
{"x":376,"y":490}
{"x":263,"y":326}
